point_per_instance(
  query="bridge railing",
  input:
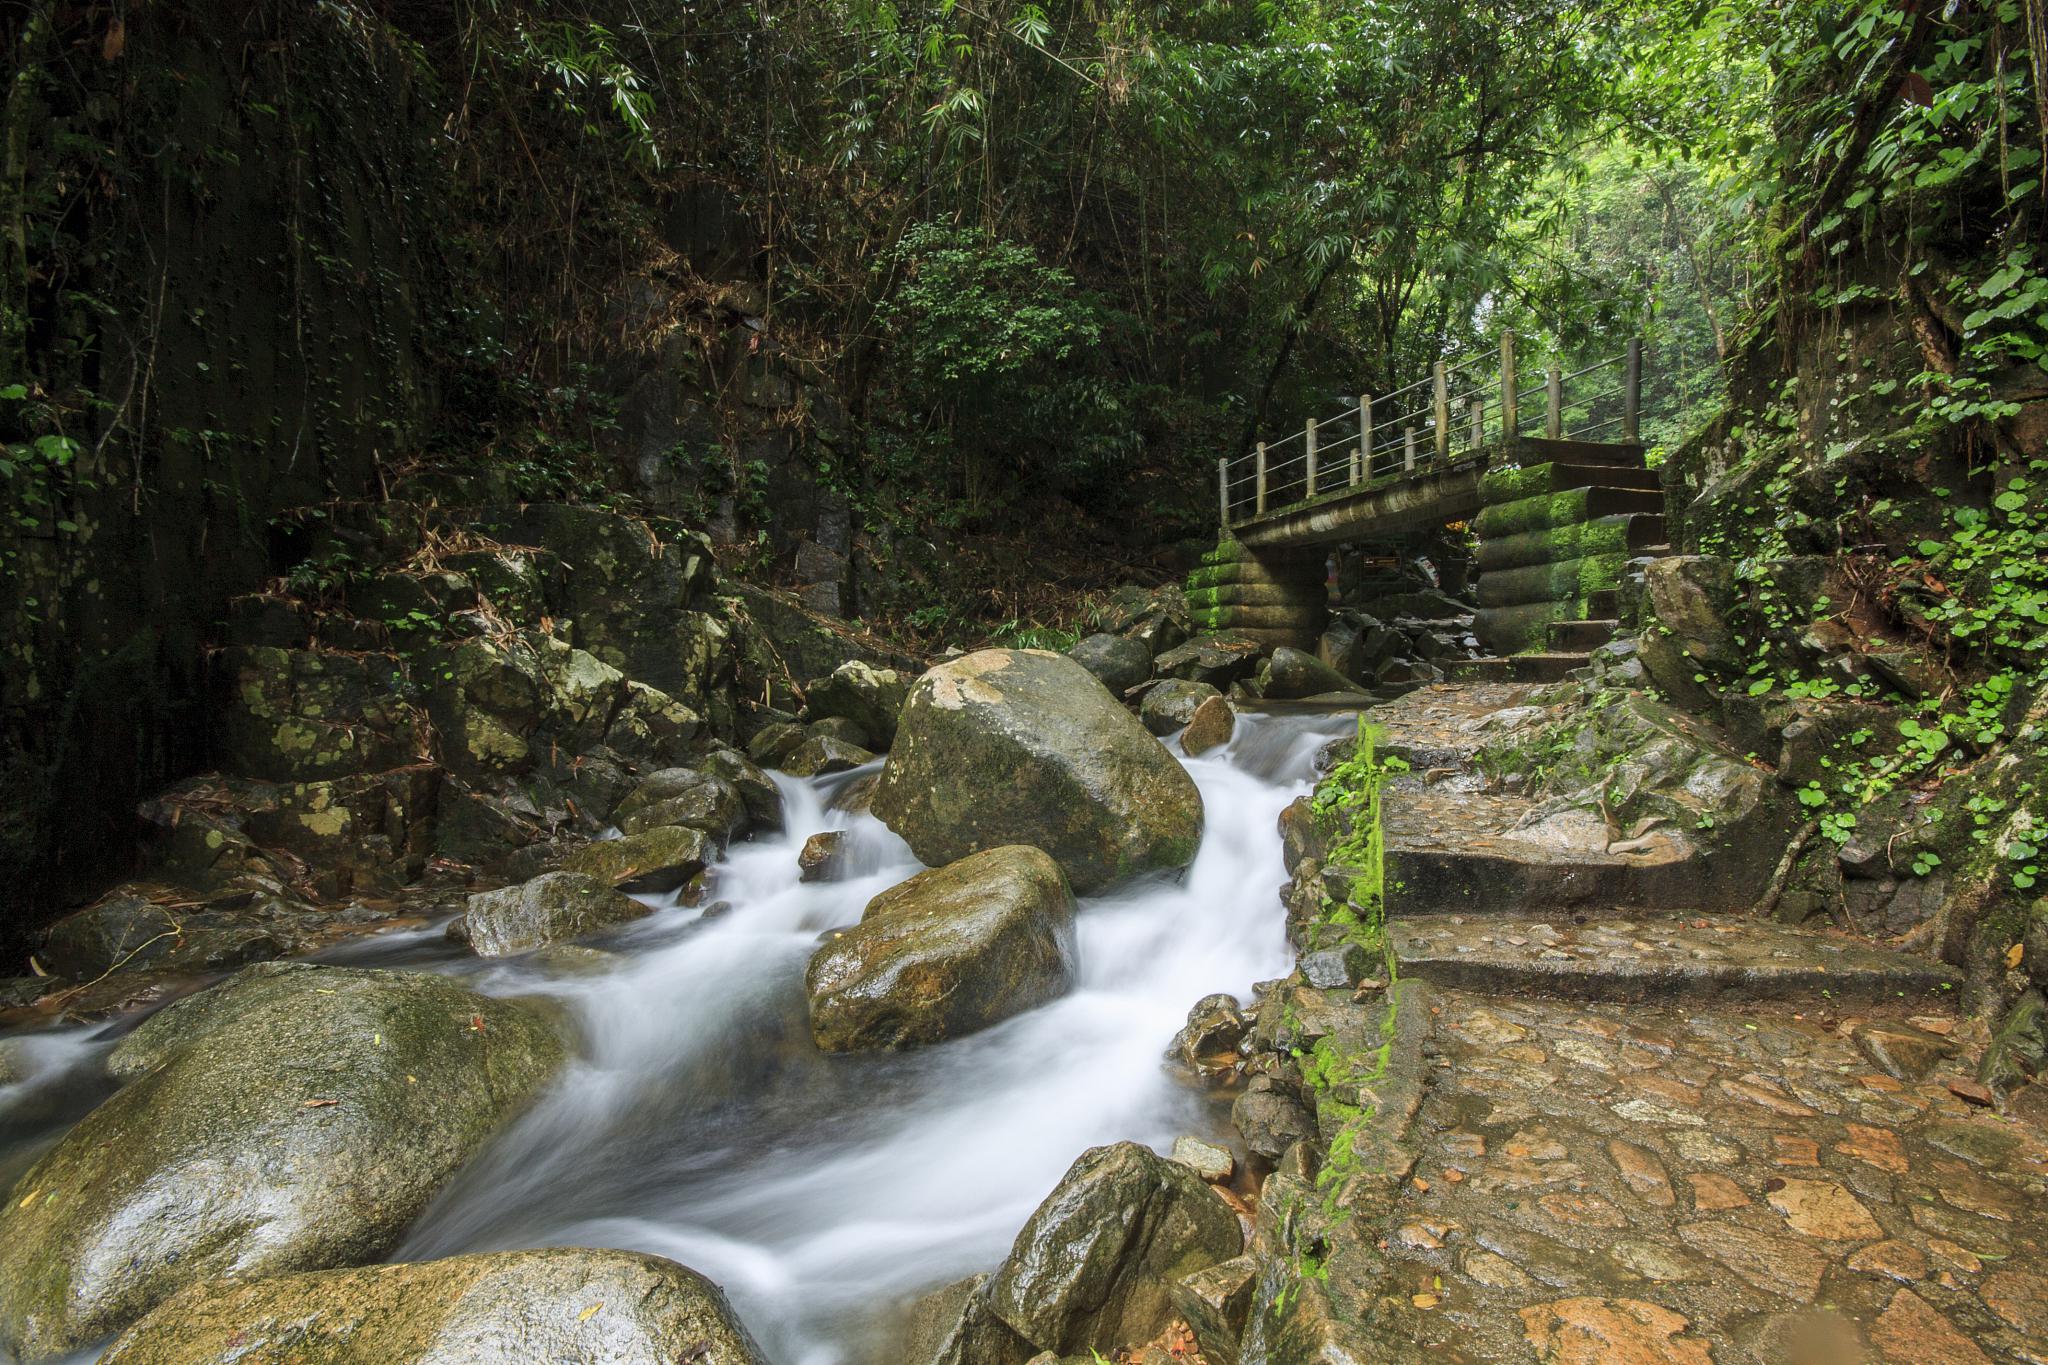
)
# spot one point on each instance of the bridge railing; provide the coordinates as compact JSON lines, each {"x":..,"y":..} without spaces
{"x":1466,"y":405}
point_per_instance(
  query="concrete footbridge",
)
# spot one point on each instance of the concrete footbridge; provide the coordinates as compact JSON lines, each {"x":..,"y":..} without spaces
{"x":1556,"y":515}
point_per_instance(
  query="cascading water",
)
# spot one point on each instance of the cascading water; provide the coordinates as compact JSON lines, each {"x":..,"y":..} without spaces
{"x":822,"y":1191}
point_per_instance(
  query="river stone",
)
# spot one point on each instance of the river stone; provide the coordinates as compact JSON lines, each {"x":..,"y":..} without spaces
{"x":822,"y":755}
{"x":687,"y":797}
{"x":1025,"y":747}
{"x":1172,"y":703}
{"x":1213,"y":724}
{"x":652,"y":862}
{"x":1120,"y":664}
{"x":1218,"y":660}
{"x":1096,"y":1264}
{"x":552,"y":908}
{"x":773,"y":743}
{"x":1294,"y":673}
{"x":1208,"y":1043}
{"x":1215,"y":1303}
{"x":292,"y":1118}
{"x":823,"y":857}
{"x":870,"y":697}
{"x":953,"y":1326}
{"x":947,"y":952}
{"x":128,"y":931}
{"x":558,"y":1304}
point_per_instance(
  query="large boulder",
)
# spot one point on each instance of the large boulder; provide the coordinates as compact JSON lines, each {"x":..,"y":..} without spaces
{"x":758,"y":792}
{"x":292,"y":1118}
{"x":1171,"y":705}
{"x":552,"y":908}
{"x":1686,"y":631}
{"x":1294,"y":673}
{"x":1025,"y":747}
{"x":1095,"y":1267}
{"x":823,"y":755}
{"x":696,"y":800}
{"x":945,"y":953}
{"x":1211,"y":727}
{"x":1218,"y":660}
{"x":870,"y":697}
{"x":1120,"y":663}
{"x":297,"y":715}
{"x":559,"y":1304}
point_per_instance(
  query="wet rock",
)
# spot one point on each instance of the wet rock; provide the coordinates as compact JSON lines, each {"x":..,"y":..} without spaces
{"x":128,"y":930}
{"x":774,"y":743}
{"x":953,"y":1326}
{"x":1214,"y":1164}
{"x":300,"y":715}
{"x":1912,"y":1331}
{"x":552,"y":908}
{"x":1218,"y":660}
{"x":1208,"y":1043}
{"x":841,"y":729}
{"x":870,"y":697}
{"x":823,"y":857}
{"x":1017,"y":746}
{"x":821,"y":755}
{"x":1355,"y":646}
{"x":1171,"y":705}
{"x":556,"y":1304}
{"x":687,"y":797}
{"x":1293,"y":674}
{"x":1270,"y":1119}
{"x":946,"y":953}
{"x":1688,"y":599}
{"x":292,"y":1118}
{"x":1215,"y":1303}
{"x":652,"y":862}
{"x":762,"y":798}
{"x":1300,"y":837}
{"x":1096,"y":1264}
{"x":1592,"y":1331}
{"x":1211,"y":727}
{"x":1901,"y":1050}
{"x":1778,"y":1265}
{"x":1120,"y":664}
{"x":2018,"y":1051}
{"x":1823,"y":1209}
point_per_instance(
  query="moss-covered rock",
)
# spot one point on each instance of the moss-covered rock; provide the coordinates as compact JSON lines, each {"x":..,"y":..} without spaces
{"x":822,"y":755}
{"x":558,"y":1304}
{"x":1294,"y":673}
{"x":292,"y":1118}
{"x":684,"y":796}
{"x":946,"y":953}
{"x":1171,"y":705}
{"x":763,"y":799}
{"x":299,"y":715}
{"x":1121,"y":664}
{"x":654,"y":861}
{"x":872,"y":698}
{"x":552,"y":908}
{"x":1024,"y":747}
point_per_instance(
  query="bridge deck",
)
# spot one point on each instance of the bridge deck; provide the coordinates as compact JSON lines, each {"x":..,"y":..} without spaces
{"x":1429,"y":497}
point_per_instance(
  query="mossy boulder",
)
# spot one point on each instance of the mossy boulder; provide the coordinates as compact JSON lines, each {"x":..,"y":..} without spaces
{"x":1218,"y":660}
{"x":1171,"y":705}
{"x":946,"y":953}
{"x":558,"y":1304}
{"x":1212,"y":726}
{"x":823,"y":755}
{"x":1025,"y":747}
{"x":652,"y":862}
{"x":1686,"y":632}
{"x":292,"y":1118}
{"x":758,"y":792}
{"x":684,"y":796}
{"x":130,"y":929}
{"x":870,"y":697}
{"x":1295,"y":673}
{"x":552,"y":908}
{"x":1095,"y":1266}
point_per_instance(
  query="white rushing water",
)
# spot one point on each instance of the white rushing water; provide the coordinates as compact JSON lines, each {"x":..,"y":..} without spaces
{"x":824,"y":1192}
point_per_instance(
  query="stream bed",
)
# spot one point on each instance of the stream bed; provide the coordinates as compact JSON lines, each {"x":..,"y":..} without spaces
{"x":823,"y":1192}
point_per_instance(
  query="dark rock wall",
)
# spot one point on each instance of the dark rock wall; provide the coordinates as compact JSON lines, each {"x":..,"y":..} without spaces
{"x":251,"y":272}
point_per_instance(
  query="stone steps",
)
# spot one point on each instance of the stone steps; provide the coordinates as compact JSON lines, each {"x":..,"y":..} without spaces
{"x":1581,"y":637}
{"x":1537,"y":450}
{"x":1519,"y":668}
{"x":1662,"y":958}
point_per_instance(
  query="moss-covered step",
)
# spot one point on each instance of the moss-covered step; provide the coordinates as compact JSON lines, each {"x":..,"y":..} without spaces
{"x":1546,"y":510}
{"x":1517,"y":629}
{"x":1293,"y":572}
{"x":1258,"y":595}
{"x":1571,"y":580}
{"x":1310,"y":619}
{"x":1624,"y":534}
{"x":1527,"y":481}
{"x":1230,"y":550}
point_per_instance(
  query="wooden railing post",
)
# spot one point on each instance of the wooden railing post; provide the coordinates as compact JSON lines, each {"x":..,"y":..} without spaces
{"x":1478,"y":423}
{"x":1553,"y":417}
{"x":1262,"y":479}
{"x":1361,"y":463}
{"x":1510,"y":397}
{"x":1443,"y":410}
{"x":1223,"y":487}
{"x":1308,"y":436}
{"x":1408,"y":451}
{"x":1632,"y":394}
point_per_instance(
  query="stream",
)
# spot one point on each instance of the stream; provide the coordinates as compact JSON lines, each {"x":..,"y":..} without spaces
{"x":824,"y":1192}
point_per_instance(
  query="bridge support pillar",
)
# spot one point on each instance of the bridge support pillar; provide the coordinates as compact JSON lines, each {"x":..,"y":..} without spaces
{"x":1275,"y":596}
